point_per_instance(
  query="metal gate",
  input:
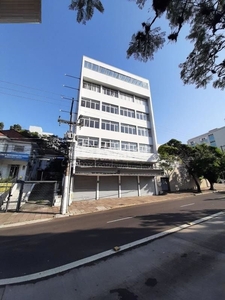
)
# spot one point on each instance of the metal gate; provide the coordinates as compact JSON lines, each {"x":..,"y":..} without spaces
{"x":84,"y":188}
{"x":147,"y":186}
{"x":129,"y":186}
{"x":108,"y":187}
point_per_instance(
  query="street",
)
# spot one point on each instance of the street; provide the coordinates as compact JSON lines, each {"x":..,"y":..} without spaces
{"x":185,"y":265}
{"x":38,"y":247}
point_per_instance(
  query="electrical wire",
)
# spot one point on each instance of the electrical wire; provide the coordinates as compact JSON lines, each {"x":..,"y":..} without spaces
{"x":28,"y":98}
{"x":32,"y":88}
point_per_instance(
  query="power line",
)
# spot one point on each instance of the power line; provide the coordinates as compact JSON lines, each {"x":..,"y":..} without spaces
{"x":28,"y":98}
{"x":28,"y":93}
{"x":32,"y":88}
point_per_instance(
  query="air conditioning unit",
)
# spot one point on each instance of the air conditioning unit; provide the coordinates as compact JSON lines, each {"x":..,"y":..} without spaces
{"x":69,"y":135}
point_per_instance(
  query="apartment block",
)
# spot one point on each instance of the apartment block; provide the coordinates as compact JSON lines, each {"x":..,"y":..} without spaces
{"x":214,"y":137}
{"x":116,"y":148}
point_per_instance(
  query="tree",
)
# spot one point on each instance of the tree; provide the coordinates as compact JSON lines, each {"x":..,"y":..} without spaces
{"x":167,"y":163}
{"x":205,"y":20}
{"x":209,"y":163}
{"x":200,"y":161}
{"x":185,"y":154}
{"x":16,"y":127}
{"x":1,"y":125}
{"x":85,"y":9}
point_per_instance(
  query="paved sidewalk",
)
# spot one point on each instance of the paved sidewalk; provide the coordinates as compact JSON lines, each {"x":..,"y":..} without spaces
{"x":31,"y":213}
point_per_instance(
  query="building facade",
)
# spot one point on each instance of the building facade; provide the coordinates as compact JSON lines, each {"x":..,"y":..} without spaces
{"x":22,"y":11}
{"x":214,"y":137}
{"x":116,"y":146}
{"x":14,"y":155}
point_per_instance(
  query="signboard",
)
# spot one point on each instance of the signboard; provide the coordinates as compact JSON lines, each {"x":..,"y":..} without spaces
{"x":14,"y":156}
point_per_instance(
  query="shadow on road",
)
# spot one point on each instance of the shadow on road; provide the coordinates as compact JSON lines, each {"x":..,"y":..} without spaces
{"x":30,"y":249}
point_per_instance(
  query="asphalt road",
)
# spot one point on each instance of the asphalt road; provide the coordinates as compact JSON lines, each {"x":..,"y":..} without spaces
{"x":33,"y":248}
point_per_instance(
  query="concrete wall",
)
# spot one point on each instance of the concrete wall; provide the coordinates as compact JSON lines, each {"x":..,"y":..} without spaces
{"x":180,"y":180}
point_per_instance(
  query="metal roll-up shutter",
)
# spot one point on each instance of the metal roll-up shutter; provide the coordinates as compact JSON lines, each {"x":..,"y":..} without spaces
{"x":84,"y":188}
{"x":108,"y":187}
{"x":147,"y":186}
{"x":129,"y":186}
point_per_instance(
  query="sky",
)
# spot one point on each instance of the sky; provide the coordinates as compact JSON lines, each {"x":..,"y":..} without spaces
{"x":34,"y":59}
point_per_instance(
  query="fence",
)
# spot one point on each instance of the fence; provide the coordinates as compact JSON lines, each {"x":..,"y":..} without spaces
{"x":39,"y":192}
{"x":6,"y":192}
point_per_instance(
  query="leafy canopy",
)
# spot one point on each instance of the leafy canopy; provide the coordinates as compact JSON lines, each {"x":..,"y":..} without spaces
{"x":205,"y":20}
{"x":200,"y":161}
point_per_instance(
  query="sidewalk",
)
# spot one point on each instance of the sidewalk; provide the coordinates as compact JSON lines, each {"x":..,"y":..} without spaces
{"x":32,"y":213}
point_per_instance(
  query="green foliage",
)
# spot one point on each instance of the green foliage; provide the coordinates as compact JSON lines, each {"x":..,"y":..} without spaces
{"x":16,"y":127}
{"x":200,"y":161}
{"x":204,"y":18}
{"x":1,"y":125}
{"x":144,"y":44}
{"x":85,"y":9}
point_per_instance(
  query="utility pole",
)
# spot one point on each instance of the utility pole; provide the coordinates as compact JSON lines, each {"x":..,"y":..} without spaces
{"x":70,"y":138}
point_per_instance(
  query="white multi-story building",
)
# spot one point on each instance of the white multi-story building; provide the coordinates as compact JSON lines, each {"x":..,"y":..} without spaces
{"x":116,"y":148}
{"x":214,"y":137}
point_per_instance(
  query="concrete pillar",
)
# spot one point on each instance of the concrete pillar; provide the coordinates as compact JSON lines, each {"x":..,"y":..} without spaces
{"x":97,"y":188}
{"x":119,"y":186}
{"x":156,"y":186}
{"x":139,"y":186}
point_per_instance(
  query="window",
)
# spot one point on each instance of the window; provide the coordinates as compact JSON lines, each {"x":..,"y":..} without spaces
{"x":144,"y":148}
{"x":128,"y":146}
{"x":127,"y":112}
{"x":18,"y":148}
{"x":126,"y":128}
{"x":110,"y":92}
{"x":90,"y":103}
{"x":126,"y":97}
{"x":110,"y":108}
{"x":114,"y":74}
{"x":140,"y":100}
{"x":86,"y":141}
{"x":109,"y":125}
{"x":110,"y":144}
{"x":90,"y":122}
{"x":91,"y":86}
{"x":143,"y":131}
{"x":142,"y":116}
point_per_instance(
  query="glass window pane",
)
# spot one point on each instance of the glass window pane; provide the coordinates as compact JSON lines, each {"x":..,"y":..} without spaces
{"x":96,"y":124}
{"x":103,"y":125}
{"x":87,"y":103}
{"x":82,"y":103}
{"x":107,"y":126}
{"x":92,"y":123}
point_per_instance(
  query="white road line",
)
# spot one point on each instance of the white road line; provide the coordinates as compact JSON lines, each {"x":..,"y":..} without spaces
{"x":119,"y":220}
{"x":81,"y":262}
{"x":187,"y":204}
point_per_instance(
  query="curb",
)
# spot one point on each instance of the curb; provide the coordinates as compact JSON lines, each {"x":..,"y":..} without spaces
{"x":71,"y":214}
{"x":105,"y":254}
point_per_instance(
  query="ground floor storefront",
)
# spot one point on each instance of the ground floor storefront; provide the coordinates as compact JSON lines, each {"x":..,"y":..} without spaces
{"x":86,"y":187}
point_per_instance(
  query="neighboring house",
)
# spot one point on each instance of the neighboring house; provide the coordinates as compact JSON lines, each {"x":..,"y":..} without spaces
{"x":22,"y":11}
{"x":15,"y":153}
{"x":214,"y":137}
{"x":116,"y":148}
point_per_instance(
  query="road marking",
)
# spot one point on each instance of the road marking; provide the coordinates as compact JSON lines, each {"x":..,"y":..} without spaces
{"x":187,"y":204}
{"x":117,"y":220}
{"x":84,"y":261}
